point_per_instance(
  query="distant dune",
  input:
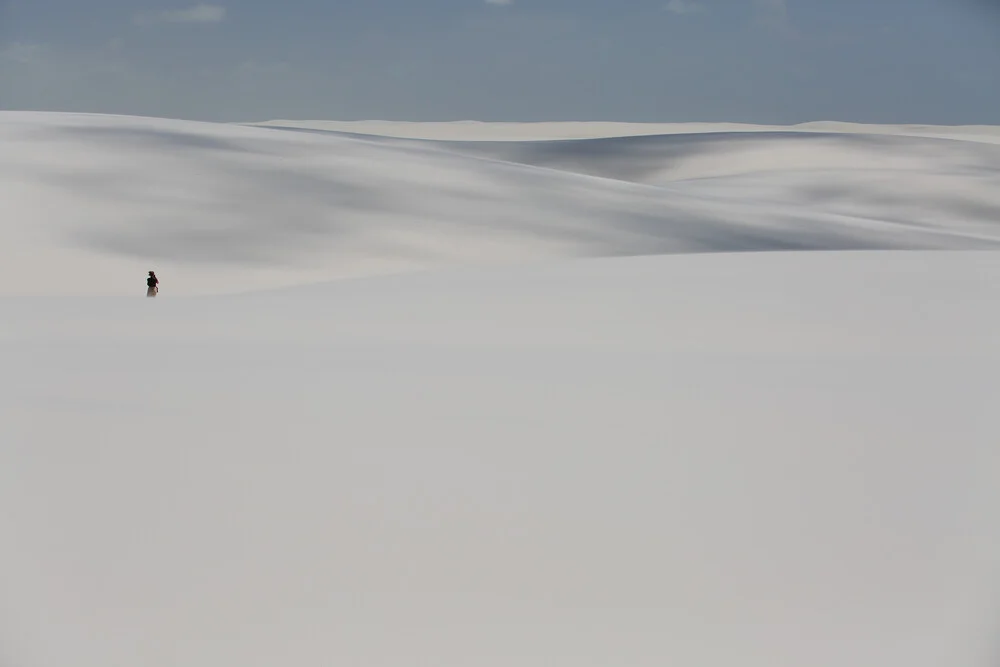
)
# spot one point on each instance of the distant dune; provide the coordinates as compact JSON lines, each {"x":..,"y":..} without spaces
{"x":223,"y":207}
{"x":529,"y":131}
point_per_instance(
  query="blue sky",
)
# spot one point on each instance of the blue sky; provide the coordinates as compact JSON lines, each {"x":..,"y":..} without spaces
{"x":768,"y":61}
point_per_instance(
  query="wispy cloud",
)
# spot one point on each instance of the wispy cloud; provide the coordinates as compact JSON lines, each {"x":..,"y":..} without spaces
{"x":685,"y":7}
{"x":778,"y":7}
{"x":21,"y":52}
{"x":773,"y":13}
{"x":500,"y":3}
{"x":196,"y":14}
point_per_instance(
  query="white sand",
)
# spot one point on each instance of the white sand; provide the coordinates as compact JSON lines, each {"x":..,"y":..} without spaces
{"x":769,"y":459}
{"x":93,"y":202}
{"x":498,"y":131}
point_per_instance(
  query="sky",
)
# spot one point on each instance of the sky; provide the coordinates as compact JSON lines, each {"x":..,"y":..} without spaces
{"x":757,"y":61}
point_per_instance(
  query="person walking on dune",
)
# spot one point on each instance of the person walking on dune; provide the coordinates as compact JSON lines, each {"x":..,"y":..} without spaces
{"x":152,"y":284}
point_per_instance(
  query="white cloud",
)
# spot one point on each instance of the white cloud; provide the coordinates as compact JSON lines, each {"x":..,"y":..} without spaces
{"x":685,"y":7}
{"x":196,"y":14}
{"x":500,"y":2}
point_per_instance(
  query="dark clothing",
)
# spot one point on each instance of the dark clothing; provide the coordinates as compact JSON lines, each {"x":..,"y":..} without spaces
{"x":151,"y":281}
{"x":152,"y":284}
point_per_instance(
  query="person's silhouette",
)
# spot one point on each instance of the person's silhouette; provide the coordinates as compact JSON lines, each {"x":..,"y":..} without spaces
{"x":152,"y":284}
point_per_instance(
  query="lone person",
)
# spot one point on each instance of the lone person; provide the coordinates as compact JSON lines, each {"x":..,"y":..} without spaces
{"x":152,"y":283}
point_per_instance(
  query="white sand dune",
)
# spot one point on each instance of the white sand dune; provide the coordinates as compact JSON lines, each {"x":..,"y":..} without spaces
{"x":696,"y":456}
{"x":755,"y":460}
{"x":546,"y":131}
{"x":219,"y":208}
